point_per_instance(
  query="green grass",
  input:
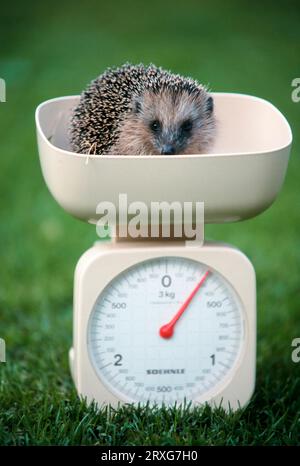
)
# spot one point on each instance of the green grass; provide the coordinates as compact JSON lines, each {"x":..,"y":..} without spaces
{"x":53,"y":49}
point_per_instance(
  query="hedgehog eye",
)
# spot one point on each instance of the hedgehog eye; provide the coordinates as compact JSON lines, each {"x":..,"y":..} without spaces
{"x":155,"y":126}
{"x":187,"y":126}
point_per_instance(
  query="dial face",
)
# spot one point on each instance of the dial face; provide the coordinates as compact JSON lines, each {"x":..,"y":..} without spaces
{"x":166,"y":330}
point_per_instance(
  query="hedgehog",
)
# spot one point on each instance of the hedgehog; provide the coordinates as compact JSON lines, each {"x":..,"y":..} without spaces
{"x":143,"y":110}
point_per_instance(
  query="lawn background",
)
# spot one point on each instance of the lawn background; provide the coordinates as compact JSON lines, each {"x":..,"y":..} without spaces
{"x":51,"y":49}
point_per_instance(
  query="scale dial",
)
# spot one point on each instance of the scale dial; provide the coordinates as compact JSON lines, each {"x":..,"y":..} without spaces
{"x":166,"y":330}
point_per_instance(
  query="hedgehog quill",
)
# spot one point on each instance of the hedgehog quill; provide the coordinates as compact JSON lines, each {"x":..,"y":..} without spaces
{"x":139,"y":110}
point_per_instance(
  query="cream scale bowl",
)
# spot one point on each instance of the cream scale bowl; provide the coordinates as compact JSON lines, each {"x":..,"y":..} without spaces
{"x":159,"y":321}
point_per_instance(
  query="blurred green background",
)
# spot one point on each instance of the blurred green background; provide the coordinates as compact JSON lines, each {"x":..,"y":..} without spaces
{"x":51,"y":49}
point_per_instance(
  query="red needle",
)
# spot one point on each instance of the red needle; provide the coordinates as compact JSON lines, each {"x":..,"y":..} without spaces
{"x":167,"y":330}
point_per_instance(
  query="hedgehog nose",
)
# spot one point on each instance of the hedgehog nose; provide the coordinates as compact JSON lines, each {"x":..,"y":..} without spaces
{"x":168,"y":149}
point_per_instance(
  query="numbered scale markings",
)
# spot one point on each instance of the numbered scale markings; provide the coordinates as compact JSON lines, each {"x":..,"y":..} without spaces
{"x":166,"y":330}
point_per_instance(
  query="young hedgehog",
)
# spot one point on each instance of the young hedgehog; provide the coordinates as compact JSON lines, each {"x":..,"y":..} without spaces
{"x":138,"y":110}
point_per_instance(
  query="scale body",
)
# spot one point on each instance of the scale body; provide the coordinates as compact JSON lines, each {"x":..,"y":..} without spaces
{"x":161,"y":321}
{"x":118,"y":354}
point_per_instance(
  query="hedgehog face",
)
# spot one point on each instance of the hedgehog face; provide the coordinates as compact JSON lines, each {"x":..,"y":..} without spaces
{"x":139,"y":110}
{"x":172,"y":122}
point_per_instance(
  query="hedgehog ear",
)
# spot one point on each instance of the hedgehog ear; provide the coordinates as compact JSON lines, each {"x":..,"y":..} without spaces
{"x":137,"y":106}
{"x":209,"y":104}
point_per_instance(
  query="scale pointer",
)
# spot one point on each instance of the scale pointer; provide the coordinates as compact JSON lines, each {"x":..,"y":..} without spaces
{"x":167,"y":330}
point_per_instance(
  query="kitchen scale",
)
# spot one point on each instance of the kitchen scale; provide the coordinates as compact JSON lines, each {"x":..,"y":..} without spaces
{"x":160,"y":321}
